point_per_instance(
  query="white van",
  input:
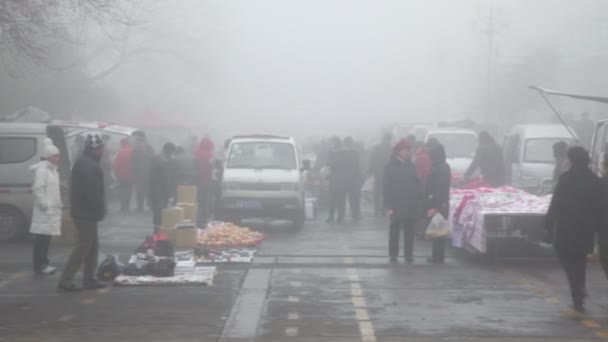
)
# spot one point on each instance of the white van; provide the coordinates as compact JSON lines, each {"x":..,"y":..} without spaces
{"x":20,"y":147}
{"x":528,"y":152}
{"x":262,"y":179}
{"x":460,"y":145}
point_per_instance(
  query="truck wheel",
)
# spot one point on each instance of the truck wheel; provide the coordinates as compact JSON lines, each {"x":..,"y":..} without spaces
{"x":13,"y":225}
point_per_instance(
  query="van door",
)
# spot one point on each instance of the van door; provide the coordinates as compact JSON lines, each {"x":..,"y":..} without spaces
{"x":513,"y":158}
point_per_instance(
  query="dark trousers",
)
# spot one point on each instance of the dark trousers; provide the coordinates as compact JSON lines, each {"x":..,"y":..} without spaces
{"x":337,"y":202}
{"x":408,"y":226}
{"x":41,"y":251}
{"x":438,"y":255}
{"x":575,"y":267}
{"x":354,"y":198}
{"x":205,"y":204}
{"x":141,"y":192}
{"x":125,"y":192}
{"x":85,"y":252}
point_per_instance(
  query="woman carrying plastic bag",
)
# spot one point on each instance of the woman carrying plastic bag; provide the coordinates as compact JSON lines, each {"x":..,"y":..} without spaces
{"x":438,"y":201}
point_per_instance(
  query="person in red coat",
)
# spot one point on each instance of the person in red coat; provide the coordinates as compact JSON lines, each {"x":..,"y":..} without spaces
{"x":205,"y":155}
{"x":423,"y":164}
{"x":123,"y":170}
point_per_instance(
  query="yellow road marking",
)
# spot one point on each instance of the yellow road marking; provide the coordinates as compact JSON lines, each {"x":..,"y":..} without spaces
{"x":602,"y":334}
{"x":590,"y":324}
{"x":67,"y":318}
{"x":89,"y":301}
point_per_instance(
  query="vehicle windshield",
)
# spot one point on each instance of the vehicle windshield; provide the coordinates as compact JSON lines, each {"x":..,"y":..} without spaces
{"x":457,"y":145}
{"x":262,"y":155}
{"x":541,"y":150}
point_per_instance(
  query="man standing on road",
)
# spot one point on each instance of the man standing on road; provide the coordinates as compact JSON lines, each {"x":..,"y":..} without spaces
{"x":402,"y":200}
{"x":88,"y":209}
{"x":162,"y":186}
{"x":573,"y":218}
{"x":141,"y":157}
{"x":337,"y":181}
{"x":353,"y":178}
{"x":378,"y":160}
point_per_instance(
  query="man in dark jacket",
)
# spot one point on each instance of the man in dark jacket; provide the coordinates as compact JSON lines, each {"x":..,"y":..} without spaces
{"x":573,"y":218}
{"x":162,"y":186}
{"x":438,"y":194}
{"x":380,"y":156}
{"x":87,"y":197}
{"x":141,"y":156}
{"x":353,"y":178}
{"x":489,"y":160}
{"x":402,"y":200}
{"x":338,"y":165}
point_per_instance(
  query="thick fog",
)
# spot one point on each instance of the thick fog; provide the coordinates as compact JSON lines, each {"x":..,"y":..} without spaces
{"x":337,"y":66}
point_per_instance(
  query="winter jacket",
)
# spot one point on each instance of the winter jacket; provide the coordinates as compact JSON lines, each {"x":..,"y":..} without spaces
{"x":162,"y":180}
{"x":489,"y":160}
{"x":339,"y":170}
{"x":204,"y":155}
{"x":353,"y":168}
{"x":423,"y":166}
{"x":575,"y":212}
{"x":123,"y":164}
{"x":46,"y":218}
{"x":87,"y":193}
{"x":561,"y":166}
{"x":439,"y":182}
{"x":402,"y":189}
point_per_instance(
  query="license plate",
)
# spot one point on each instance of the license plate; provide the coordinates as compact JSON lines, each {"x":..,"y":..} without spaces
{"x":248,"y":205}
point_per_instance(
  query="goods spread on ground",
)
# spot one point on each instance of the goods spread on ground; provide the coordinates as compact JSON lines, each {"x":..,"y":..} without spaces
{"x":470,"y":208}
{"x":228,"y":235}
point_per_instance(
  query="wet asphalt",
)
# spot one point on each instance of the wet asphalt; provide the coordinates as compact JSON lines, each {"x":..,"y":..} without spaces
{"x":321,"y":283}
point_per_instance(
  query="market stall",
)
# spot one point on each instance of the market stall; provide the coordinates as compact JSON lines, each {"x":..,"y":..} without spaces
{"x":483,"y":214}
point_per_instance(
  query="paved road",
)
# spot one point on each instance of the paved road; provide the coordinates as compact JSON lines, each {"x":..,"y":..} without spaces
{"x":323,"y":283}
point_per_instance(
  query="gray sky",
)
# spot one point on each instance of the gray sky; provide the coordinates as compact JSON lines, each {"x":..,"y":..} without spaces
{"x":328,"y":66}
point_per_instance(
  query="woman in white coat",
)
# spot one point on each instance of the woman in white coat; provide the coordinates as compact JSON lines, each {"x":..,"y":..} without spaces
{"x":46,"y":220}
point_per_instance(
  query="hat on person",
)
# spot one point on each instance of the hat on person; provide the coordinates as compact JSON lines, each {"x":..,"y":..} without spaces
{"x":93,"y":142}
{"x":401,"y":145}
{"x":48,"y":149}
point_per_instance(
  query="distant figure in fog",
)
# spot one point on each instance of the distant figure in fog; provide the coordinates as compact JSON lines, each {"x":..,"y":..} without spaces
{"x":123,"y":170}
{"x":46,"y":218}
{"x":562,"y":164}
{"x":438,"y":194}
{"x":403,"y":197}
{"x":423,"y":163}
{"x":87,"y":198}
{"x":338,"y":184}
{"x":380,"y":156}
{"x":142,"y":156}
{"x":187,"y":167}
{"x":603,"y":228}
{"x":106,"y":166}
{"x":573,"y":218}
{"x":489,"y":160}
{"x":584,"y":129}
{"x":162,"y":183}
{"x":353,"y":177}
{"x":204,"y":156}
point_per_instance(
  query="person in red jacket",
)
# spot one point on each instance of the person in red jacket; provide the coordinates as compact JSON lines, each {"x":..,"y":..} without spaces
{"x":423,"y":163}
{"x":205,"y":155}
{"x":123,"y":170}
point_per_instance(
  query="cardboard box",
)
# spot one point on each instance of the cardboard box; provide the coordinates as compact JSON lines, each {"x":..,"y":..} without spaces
{"x":186,"y":194}
{"x":186,"y":237}
{"x":190,"y":211}
{"x":172,"y":216}
{"x":171,"y":234}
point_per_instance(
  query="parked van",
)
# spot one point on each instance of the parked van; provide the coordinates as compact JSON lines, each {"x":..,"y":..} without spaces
{"x":20,"y":148}
{"x":262,"y":179}
{"x":528,"y":152}
{"x":460,"y":145}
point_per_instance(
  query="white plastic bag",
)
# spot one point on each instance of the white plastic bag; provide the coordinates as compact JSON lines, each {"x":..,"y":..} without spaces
{"x":438,"y":227}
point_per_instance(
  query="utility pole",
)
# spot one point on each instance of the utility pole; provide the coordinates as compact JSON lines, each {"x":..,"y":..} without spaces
{"x":490,"y":28}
